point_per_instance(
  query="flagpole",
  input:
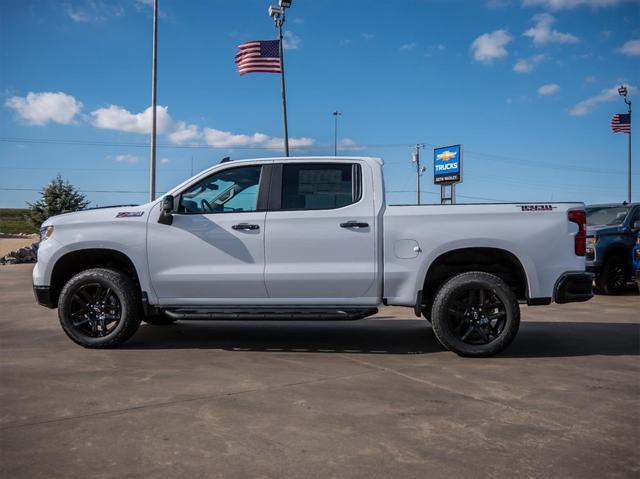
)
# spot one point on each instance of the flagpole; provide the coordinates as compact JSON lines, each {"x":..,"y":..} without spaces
{"x":277,"y":12}
{"x":629,"y":153}
{"x":280,"y":21}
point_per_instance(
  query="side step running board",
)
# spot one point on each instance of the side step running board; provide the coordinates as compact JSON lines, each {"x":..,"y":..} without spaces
{"x":306,"y":314}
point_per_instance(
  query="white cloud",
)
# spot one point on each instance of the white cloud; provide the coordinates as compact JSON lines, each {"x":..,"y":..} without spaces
{"x":184,"y":133}
{"x":127,"y":158}
{"x":42,"y":108}
{"x":226,"y":139}
{"x":407,"y":47}
{"x":94,"y":11}
{"x":608,"y":94}
{"x":347,"y":144}
{"x":569,"y":4}
{"x":542,"y":33}
{"x":291,"y":41}
{"x":631,"y":48}
{"x":368,"y":36}
{"x":490,"y":46}
{"x":117,"y":118}
{"x":164,"y":161}
{"x":526,"y":65}
{"x":548,"y":89}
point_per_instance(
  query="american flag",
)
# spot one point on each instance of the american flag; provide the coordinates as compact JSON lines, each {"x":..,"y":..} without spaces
{"x":621,"y":123}
{"x":259,"y":56}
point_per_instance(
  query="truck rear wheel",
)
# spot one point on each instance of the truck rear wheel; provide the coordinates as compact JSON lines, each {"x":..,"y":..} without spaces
{"x":475,"y":314}
{"x":99,"y":308}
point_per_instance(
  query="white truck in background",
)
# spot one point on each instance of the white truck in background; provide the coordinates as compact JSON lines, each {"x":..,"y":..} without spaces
{"x":308,"y":238}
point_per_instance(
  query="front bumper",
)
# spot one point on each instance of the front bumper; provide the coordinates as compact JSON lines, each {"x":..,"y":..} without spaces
{"x":573,"y":287}
{"x":43,"y":296}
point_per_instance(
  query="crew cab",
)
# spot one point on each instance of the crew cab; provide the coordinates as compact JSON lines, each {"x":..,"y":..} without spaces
{"x":308,"y":238}
{"x":611,"y":235}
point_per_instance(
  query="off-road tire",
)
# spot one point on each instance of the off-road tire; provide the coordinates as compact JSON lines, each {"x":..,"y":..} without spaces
{"x":607,"y":281}
{"x":441,"y":313}
{"x":130,"y":307}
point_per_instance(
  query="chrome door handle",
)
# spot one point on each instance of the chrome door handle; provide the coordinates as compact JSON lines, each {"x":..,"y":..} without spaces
{"x":245,"y":226}
{"x":354,"y":224}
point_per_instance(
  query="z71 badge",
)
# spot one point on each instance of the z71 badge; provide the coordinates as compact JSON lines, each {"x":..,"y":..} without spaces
{"x":537,"y":207}
{"x":129,"y":214}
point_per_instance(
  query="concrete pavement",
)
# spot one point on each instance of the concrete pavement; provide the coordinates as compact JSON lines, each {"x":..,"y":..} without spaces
{"x":372,"y":398}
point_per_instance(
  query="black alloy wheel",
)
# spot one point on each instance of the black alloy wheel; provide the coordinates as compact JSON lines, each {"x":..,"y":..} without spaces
{"x":475,"y":314}
{"x":613,"y":277}
{"x":95,"y":310}
{"x":99,"y":308}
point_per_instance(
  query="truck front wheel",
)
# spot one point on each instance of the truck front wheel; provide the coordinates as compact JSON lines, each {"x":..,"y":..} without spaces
{"x":475,"y":314}
{"x":613,"y":277}
{"x":99,"y":308}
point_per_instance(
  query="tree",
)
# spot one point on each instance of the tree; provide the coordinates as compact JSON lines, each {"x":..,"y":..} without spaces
{"x":57,"y":197}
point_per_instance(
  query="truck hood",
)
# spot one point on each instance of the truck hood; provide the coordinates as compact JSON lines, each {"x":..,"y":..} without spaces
{"x":602,"y":230}
{"x":92,"y":215}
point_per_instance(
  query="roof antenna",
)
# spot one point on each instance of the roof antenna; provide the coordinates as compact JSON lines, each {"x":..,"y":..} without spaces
{"x":225,"y":159}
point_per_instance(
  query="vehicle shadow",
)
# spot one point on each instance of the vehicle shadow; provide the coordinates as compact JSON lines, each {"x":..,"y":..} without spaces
{"x":535,"y":339}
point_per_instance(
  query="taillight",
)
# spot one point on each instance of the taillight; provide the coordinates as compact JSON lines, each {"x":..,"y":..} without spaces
{"x":579,"y":217}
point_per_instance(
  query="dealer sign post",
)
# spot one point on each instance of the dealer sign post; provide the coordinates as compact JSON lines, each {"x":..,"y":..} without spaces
{"x":447,"y":171}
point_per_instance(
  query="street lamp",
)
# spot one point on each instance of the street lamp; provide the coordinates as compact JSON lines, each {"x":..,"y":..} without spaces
{"x":335,"y":114}
{"x":622,"y":91}
{"x":277,"y":12}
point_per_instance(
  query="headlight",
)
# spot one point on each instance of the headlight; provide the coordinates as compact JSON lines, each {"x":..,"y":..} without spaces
{"x":45,"y":232}
{"x":591,"y":240}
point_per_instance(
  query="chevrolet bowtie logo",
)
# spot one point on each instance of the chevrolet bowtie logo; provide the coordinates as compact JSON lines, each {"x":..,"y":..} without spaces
{"x":446,"y":155}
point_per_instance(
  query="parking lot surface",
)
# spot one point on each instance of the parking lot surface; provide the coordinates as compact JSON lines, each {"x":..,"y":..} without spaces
{"x":373,"y":399}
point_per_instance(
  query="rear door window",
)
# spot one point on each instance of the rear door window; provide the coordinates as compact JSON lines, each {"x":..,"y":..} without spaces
{"x":316,"y":186}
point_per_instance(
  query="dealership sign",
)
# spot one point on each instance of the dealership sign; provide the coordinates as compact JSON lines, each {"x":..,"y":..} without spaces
{"x":447,"y":165}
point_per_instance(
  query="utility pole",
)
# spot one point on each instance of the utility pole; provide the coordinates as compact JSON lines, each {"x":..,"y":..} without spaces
{"x":335,"y":114}
{"x":419,"y":169}
{"x":154,"y":77}
{"x":622,"y":91}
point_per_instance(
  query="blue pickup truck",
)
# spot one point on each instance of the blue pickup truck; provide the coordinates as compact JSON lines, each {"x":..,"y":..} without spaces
{"x":636,"y":260}
{"x":611,"y":237}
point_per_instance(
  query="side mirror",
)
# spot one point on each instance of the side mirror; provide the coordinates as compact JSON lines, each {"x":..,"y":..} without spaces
{"x":167,"y":210}
{"x":167,"y":205}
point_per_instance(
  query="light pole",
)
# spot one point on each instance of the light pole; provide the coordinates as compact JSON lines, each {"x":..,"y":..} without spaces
{"x":154,"y":72}
{"x":278,"y":14}
{"x":335,"y":114}
{"x":419,"y":169}
{"x":622,"y":91}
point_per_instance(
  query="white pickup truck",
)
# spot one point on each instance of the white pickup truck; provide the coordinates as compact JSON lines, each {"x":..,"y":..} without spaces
{"x":308,"y":238}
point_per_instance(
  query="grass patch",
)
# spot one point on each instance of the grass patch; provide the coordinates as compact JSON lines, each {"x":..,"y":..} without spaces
{"x":14,"y":220}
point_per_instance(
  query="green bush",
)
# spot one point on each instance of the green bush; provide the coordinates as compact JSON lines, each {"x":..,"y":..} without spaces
{"x":57,"y":197}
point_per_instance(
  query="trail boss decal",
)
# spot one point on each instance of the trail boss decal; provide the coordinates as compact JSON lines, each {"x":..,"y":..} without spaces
{"x":129,"y":214}
{"x":537,"y":207}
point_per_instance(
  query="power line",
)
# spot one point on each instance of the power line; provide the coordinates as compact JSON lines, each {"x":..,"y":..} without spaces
{"x":485,"y":156}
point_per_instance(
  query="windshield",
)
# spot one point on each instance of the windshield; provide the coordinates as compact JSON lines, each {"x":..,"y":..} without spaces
{"x":606,"y":215}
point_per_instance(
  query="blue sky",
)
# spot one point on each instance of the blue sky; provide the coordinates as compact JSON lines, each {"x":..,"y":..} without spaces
{"x":528,"y":86}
